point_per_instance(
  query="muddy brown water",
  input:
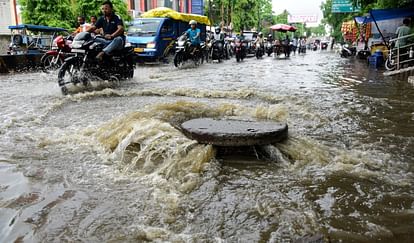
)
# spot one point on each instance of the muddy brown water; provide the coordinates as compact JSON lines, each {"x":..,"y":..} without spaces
{"x":110,"y":165}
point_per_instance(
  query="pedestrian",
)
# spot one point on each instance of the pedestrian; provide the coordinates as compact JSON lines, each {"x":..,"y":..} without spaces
{"x":403,"y":31}
{"x":113,"y":30}
{"x":294,"y":45}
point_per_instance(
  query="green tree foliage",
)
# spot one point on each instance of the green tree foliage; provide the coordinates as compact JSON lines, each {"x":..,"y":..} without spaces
{"x":63,"y":13}
{"x":243,"y":14}
{"x":93,"y":7}
{"x":57,"y":13}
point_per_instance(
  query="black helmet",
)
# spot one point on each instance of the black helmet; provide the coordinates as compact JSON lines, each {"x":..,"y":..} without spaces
{"x":217,"y":30}
{"x":270,"y":36}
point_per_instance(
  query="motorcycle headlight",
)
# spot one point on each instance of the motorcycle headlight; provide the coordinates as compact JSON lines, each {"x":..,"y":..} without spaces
{"x":77,"y":44}
{"x":181,"y":43}
{"x":151,"y":45}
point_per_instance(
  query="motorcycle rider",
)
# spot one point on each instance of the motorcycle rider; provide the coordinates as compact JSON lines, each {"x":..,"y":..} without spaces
{"x":259,"y":40}
{"x":219,"y":39}
{"x":113,"y":30}
{"x":193,"y":34}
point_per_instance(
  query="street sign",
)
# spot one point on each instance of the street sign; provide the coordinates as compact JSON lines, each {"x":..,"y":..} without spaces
{"x":344,"y":6}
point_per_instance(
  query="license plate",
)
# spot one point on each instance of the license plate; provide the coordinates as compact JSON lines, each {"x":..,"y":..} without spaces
{"x":138,"y":49}
{"x":78,"y":51}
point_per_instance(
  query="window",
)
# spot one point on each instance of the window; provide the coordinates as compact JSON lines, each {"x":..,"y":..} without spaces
{"x":168,"y":3}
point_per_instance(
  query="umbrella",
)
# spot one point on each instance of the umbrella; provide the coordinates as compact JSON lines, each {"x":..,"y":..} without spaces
{"x":283,"y":27}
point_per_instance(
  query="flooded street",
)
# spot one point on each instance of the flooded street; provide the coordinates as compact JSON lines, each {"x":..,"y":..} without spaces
{"x":112,"y":165}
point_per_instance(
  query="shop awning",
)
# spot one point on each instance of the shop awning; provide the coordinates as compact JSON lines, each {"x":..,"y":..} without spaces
{"x":385,"y":14}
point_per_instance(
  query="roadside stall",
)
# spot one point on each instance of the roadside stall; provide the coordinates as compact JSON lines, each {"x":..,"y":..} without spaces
{"x":382,"y":37}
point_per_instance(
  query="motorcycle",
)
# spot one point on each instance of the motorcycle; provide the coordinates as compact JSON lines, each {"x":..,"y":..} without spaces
{"x":53,"y":59}
{"x":259,"y":51}
{"x":347,"y":51}
{"x":216,"y":52}
{"x":185,"y":51}
{"x":240,"y":50}
{"x":228,"y":50}
{"x":269,"y":48}
{"x":83,"y":66}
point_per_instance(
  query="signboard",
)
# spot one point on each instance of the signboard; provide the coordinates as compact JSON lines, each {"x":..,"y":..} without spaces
{"x":343,"y":6}
{"x":197,"y":7}
{"x":302,"y":18}
{"x":5,"y":16}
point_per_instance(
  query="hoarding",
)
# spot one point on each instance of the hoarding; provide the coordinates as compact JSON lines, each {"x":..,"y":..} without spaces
{"x":302,"y":18}
{"x":343,"y":6}
{"x":197,"y":7}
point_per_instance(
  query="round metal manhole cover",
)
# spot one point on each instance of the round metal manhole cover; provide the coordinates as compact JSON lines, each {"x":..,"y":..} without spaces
{"x":231,"y":132}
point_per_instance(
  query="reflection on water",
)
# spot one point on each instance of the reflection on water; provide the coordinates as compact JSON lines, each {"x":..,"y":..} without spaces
{"x":113,"y":165}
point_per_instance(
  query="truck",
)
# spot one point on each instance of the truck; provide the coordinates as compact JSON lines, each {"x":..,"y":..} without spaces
{"x":153,"y":36}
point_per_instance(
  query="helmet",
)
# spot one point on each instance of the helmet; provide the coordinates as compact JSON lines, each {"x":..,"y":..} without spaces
{"x":217,"y":30}
{"x":193,"y":22}
{"x":260,"y":34}
{"x":270,"y":36}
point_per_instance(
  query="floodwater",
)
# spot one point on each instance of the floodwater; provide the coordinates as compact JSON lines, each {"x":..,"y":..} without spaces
{"x":111,"y":165}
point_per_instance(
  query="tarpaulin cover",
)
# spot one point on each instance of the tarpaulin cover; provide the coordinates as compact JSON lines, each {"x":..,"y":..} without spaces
{"x":169,"y":13}
{"x":385,"y":14}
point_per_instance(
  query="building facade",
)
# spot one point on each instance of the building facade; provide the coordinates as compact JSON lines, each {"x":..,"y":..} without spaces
{"x":8,"y":15}
{"x":184,"y":6}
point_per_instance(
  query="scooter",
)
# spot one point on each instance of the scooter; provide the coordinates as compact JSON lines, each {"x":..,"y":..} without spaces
{"x":347,"y":51}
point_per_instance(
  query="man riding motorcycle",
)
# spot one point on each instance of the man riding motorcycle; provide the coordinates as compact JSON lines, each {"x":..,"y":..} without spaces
{"x":113,"y":30}
{"x":219,"y":40}
{"x":193,"y":34}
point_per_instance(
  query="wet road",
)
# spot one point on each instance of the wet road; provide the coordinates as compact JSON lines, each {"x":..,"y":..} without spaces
{"x":110,"y":165}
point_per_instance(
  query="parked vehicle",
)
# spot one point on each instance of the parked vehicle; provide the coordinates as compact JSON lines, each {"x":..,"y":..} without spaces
{"x":154,"y":35}
{"x":54,"y":58}
{"x":348,"y":51}
{"x":84,"y":65}
{"x":186,"y":52}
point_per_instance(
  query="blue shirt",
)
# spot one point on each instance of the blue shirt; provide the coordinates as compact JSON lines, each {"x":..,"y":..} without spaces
{"x":192,"y":35}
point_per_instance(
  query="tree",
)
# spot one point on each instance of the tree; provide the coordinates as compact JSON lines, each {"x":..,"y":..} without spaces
{"x":243,"y":14}
{"x":62,"y":13}
{"x":92,"y":7}
{"x":57,"y":13}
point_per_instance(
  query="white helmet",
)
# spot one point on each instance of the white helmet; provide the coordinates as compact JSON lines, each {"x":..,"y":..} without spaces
{"x":193,"y":22}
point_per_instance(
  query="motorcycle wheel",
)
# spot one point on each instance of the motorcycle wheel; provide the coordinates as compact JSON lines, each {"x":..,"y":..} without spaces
{"x":49,"y":63}
{"x":388,"y":65}
{"x":238,"y":59}
{"x":69,"y":72}
{"x":178,"y":59}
